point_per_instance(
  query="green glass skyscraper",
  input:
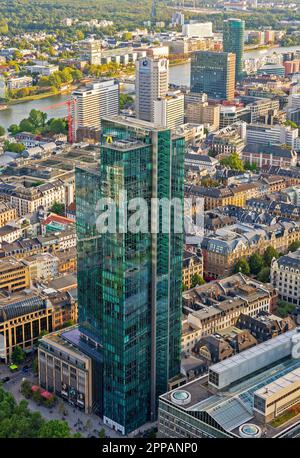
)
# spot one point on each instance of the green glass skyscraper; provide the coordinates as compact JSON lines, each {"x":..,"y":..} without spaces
{"x":233,"y":41}
{"x":129,"y":282}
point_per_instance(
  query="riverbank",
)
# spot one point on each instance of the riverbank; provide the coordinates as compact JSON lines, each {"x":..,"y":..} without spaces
{"x":173,"y":63}
{"x":260,"y":47}
{"x":42,"y":95}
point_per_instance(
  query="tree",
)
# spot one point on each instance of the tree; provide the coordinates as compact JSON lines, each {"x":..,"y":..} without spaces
{"x":125,"y":101}
{"x":256,"y":263}
{"x":18,"y":355}
{"x":13,"y":129}
{"x":242,"y":266}
{"x":294,"y":246}
{"x":79,"y":35}
{"x":58,"y":208}
{"x":102,"y":434}
{"x":197,"y":280}
{"x":127,"y":36}
{"x":234,"y":162}
{"x":37,"y":118}
{"x":55,"y":429}
{"x":26,"y":389}
{"x":264,"y":275}
{"x":2,"y":131}
{"x":270,"y":253}
{"x":26,"y":126}
{"x":77,"y":75}
{"x":58,"y":126}
{"x":3,"y":27}
{"x":14,"y":147}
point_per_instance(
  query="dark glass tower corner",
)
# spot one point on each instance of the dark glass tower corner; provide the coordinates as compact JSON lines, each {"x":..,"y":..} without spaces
{"x":129,"y":284}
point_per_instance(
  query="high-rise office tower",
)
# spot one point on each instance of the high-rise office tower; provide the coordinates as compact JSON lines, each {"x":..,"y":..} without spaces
{"x":90,"y":104}
{"x":129,"y":282}
{"x":214,"y":74}
{"x":169,"y":110}
{"x":152,"y":82}
{"x":233,"y":41}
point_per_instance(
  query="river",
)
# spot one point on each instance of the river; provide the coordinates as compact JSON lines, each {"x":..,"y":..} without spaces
{"x":15,"y":113}
{"x":179,"y":75}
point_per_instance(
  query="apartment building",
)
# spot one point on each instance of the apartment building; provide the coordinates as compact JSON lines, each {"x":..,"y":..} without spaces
{"x":25,"y":315}
{"x":226,"y":246}
{"x":14,"y":275}
{"x":7,"y":213}
{"x":28,"y":200}
{"x":265,"y":156}
{"x":217,"y":306}
{"x":42,"y":267}
{"x":192,"y":265}
{"x":285,"y":277}
{"x":223,"y":196}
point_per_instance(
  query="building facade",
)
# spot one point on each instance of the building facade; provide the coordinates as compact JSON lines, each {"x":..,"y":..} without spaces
{"x":214,"y":74}
{"x":151,"y":83}
{"x":129,"y":284}
{"x":233,"y":41}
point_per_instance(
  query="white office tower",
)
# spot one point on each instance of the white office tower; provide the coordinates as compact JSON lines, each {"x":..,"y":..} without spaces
{"x":90,"y":104}
{"x":151,"y":83}
{"x":169,"y":110}
{"x":197,"y":29}
{"x":90,"y":50}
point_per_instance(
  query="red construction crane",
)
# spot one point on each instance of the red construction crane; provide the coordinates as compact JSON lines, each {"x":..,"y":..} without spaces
{"x":69,"y":103}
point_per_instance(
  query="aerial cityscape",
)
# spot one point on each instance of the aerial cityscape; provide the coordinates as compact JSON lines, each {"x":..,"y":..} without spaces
{"x":149,"y":220}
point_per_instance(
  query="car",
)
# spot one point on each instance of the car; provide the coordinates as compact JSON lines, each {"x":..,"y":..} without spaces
{"x":5,"y":379}
{"x":25,"y":369}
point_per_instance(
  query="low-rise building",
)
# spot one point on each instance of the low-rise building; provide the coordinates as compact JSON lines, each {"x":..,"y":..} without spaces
{"x":14,"y":275}
{"x":217,"y":306}
{"x":192,"y":265}
{"x":25,"y":315}
{"x":265,"y":156}
{"x":265,"y":325}
{"x":285,"y":276}
{"x":7,"y":213}
{"x":238,"y":397}
{"x":223,"y":249}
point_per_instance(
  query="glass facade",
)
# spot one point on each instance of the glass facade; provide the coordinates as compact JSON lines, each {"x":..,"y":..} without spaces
{"x":214,"y":74}
{"x":233,"y":41}
{"x":130,"y":282}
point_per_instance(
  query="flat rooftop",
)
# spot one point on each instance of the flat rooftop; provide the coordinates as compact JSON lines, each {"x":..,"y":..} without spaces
{"x":232,"y":407}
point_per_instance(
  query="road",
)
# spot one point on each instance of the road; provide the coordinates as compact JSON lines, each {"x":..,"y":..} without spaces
{"x":78,"y":421}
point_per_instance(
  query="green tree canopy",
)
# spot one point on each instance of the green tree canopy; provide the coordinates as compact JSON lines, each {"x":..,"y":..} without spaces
{"x":270,"y":253}
{"x":264,"y":275}
{"x":234,"y":162}
{"x":18,"y":355}
{"x":55,"y":429}
{"x":2,"y":131}
{"x":294,"y":246}
{"x":242,"y":266}
{"x":197,"y":280}
{"x":256,"y":263}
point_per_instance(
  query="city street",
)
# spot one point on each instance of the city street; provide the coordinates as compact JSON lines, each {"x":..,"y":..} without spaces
{"x":79,"y":422}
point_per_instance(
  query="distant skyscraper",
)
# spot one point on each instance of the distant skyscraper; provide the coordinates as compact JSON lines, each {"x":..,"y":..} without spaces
{"x":214,"y":74}
{"x":169,"y":110}
{"x":233,"y":41}
{"x":92,"y":102}
{"x":152,"y":82}
{"x":129,"y":284}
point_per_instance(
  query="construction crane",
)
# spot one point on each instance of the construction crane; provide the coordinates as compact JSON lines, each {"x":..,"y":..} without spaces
{"x":69,"y":104}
